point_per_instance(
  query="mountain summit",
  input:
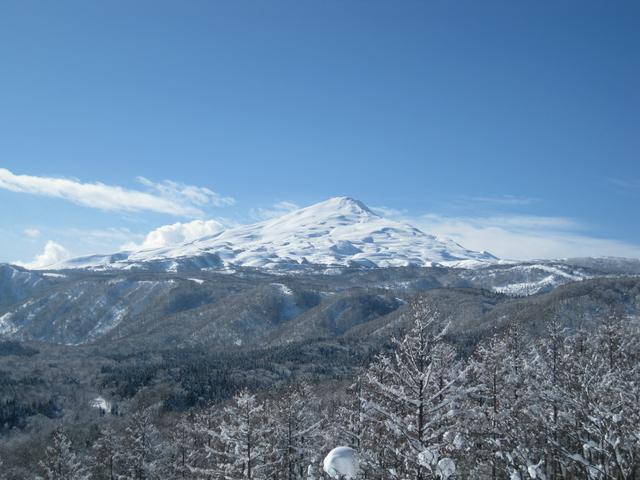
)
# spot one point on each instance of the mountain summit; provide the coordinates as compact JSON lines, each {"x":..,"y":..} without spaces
{"x":337,"y":232}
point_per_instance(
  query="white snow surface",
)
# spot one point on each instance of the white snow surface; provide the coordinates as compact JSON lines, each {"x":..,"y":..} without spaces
{"x":341,"y":462}
{"x":53,"y":275}
{"x":340,"y":231}
{"x":5,"y":325}
{"x":100,"y":403}
{"x":556,"y":276}
{"x":283,"y":289}
{"x":446,"y":468}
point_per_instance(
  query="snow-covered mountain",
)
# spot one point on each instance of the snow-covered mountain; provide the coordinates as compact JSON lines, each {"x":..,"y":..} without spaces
{"x":337,"y":232}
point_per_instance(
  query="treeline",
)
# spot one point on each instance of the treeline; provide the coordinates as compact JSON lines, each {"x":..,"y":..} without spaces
{"x":198,"y":377}
{"x":562,"y":406}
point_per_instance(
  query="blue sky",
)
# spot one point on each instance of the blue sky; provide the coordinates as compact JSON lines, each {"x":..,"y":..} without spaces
{"x":509,"y":126}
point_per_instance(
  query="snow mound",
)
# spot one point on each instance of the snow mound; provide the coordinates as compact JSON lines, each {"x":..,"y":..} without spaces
{"x":341,"y":462}
{"x":445,"y":468}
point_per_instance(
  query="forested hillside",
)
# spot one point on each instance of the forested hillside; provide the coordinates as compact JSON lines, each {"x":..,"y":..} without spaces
{"x":564,"y":405}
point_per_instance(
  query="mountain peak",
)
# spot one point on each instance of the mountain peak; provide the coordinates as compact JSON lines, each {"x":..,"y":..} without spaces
{"x":352,"y":204}
{"x":342,"y":206}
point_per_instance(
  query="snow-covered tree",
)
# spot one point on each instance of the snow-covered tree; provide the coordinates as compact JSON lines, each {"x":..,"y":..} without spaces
{"x":142,"y":457}
{"x":547,"y":410}
{"x":410,"y":399}
{"x":181,"y":439}
{"x":599,"y":402}
{"x":61,"y":461}
{"x":293,"y":433}
{"x":2,"y":475}
{"x":106,"y":452}
{"x":234,"y":445}
{"x":497,"y":412}
{"x":482,"y":409}
{"x":348,"y":417}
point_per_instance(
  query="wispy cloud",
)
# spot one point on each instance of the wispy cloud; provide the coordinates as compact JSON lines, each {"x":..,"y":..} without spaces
{"x":390,"y":212}
{"x":521,"y":223}
{"x":520,"y":237}
{"x":275,"y":210}
{"x":625,"y":184}
{"x":187,"y":194}
{"x":502,"y":200}
{"x":166,"y":197}
{"x":31,"y":232}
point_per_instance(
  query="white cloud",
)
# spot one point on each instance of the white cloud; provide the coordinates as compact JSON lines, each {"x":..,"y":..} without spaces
{"x":53,"y":253}
{"x":389,"y":212}
{"x":520,"y":237}
{"x":170,"y":197}
{"x":31,"y":232}
{"x":275,"y":210}
{"x":524,"y":237}
{"x":177,"y":233}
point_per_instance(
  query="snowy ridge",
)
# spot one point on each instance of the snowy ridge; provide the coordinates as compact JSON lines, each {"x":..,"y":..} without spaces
{"x":337,"y":232}
{"x":528,"y":279}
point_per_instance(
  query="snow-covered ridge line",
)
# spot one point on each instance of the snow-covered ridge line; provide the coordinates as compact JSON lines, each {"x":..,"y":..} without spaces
{"x":338,"y":232}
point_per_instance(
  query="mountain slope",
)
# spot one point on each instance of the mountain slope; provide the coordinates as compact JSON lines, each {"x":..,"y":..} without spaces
{"x":208,"y":307}
{"x":337,"y":232}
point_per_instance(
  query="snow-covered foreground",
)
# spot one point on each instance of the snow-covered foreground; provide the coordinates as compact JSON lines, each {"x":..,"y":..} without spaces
{"x":518,"y":408}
